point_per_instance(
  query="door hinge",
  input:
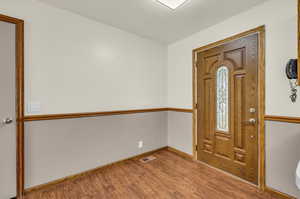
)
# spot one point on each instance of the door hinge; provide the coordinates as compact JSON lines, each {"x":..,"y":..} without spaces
{"x":196,"y":147}
{"x":196,"y":106}
{"x":196,"y":57}
{"x":196,"y":64}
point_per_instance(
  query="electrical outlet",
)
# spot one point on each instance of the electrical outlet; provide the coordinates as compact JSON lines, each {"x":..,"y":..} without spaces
{"x":141,"y":144}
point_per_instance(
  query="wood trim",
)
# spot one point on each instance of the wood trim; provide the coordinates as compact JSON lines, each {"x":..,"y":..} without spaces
{"x":90,"y":114}
{"x":183,"y":110}
{"x":9,"y":19}
{"x":261,"y":107}
{"x":88,"y":172}
{"x":261,"y":91}
{"x":95,"y":114}
{"x":19,"y":101}
{"x":277,"y":194}
{"x":194,"y":119}
{"x":180,"y":153}
{"x":20,"y":109}
{"x":282,"y":119}
{"x":229,"y":39}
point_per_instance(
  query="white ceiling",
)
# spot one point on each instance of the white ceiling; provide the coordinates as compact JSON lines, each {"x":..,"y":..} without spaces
{"x":150,"y":19}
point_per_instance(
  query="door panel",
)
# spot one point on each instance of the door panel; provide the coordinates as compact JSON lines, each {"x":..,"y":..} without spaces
{"x":228,"y":99}
{"x":7,"y":110}
{"x":239,"y":110}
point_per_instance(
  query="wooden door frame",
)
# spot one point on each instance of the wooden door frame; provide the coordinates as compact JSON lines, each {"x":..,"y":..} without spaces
{"x":261,"y":96}
{"x":19,"y":75}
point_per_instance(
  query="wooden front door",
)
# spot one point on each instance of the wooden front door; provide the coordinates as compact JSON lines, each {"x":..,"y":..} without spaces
{"x":227,"y":95}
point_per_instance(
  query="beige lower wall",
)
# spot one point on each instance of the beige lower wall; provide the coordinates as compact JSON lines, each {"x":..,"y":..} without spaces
{"x":282,"y":149}
{"x":283,"y":154}
{"x":180,"y":131}
{"x":59,"y":148}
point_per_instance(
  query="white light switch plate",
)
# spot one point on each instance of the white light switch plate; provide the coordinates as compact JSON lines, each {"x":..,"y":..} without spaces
{"x":141,"y":144}
{"x":34,"y":107}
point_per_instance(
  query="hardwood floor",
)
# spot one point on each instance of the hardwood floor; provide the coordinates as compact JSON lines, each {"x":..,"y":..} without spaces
{"x":168,"y":177}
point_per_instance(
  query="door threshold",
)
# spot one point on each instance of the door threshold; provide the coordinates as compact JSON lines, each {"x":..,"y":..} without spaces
{"x":229,"y":174}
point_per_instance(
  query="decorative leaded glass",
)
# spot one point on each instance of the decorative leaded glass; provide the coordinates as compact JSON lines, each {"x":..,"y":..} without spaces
{"x":222,"y":99}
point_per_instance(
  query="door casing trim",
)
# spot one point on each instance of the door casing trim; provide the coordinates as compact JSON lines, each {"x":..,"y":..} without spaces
{"x":261,"y":95}
{"x":19,"y":75}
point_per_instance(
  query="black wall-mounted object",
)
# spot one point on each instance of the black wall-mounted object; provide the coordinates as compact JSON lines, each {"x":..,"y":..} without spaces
{"x":292,"y":69}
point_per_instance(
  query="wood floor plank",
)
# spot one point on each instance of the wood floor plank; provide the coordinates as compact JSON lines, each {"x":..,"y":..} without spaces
{"x":168,"y":177}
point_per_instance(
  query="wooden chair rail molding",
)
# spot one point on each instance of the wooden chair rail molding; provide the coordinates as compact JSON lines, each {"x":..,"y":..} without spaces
{"x":282,"y":119}
{"x":184,"y":110}
{"x":95,"y":114}
{"x":122,"y":112}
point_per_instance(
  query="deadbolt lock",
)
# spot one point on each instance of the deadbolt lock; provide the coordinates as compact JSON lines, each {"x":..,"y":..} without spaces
{"x":252,"y":110}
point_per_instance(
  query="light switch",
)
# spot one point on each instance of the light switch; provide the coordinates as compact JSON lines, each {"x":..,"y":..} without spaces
{"x":34,"y":107}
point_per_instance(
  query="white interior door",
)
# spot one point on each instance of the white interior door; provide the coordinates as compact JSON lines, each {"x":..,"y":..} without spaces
{"x":7,"y":111}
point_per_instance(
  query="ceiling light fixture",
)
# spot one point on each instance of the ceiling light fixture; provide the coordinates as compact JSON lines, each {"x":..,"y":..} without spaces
{"x":173,"y":4}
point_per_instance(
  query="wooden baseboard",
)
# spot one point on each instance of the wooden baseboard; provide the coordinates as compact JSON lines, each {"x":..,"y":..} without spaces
{"x":85,"y":173}
{"x":278,"y":194}
{"x":180,"y":153}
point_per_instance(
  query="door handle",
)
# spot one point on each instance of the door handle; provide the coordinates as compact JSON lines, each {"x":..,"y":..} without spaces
{"x":7,"y":121}
{"x":251,"y":121}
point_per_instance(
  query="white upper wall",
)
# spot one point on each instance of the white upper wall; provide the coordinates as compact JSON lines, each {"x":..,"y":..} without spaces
{"x":73,"y":64}
{"x":280,"y":18}
{"x":152,"y":19}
